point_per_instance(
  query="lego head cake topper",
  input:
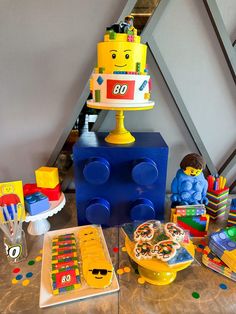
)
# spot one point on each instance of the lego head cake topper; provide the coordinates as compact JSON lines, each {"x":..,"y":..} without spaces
{"x":189,"y":186}
{"x":121,"y":81}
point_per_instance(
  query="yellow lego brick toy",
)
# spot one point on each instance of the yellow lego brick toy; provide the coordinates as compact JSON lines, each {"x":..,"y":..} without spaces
{"x":47,"y":177}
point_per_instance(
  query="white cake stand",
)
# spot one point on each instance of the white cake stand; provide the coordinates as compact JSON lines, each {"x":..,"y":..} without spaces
{"x":39,"y":223}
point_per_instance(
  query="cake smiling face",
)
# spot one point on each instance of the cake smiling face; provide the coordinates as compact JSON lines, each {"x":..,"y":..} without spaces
{"x":114,"y":54}
{"x":121,"y":56}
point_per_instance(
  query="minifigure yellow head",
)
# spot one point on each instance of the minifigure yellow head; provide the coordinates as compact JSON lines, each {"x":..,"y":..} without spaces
{"x":121,"y":55}
{"x":98,"y":274}
{"x":190,"y":171}
{"x":88,"y":232}
{"x":192,"y":165}
{"x":7,"y":189}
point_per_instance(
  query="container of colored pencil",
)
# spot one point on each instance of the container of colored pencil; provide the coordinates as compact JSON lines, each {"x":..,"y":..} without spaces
{"x":217,"y":195}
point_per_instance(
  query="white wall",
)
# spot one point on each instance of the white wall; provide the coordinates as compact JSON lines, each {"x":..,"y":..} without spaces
{"x":47,"y":52}
{"x":191,"y":50}
{"x":228,"y":12}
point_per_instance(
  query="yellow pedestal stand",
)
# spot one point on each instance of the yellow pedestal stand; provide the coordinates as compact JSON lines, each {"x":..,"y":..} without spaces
{"x":119,"y":135}
{"x":155,"y":271}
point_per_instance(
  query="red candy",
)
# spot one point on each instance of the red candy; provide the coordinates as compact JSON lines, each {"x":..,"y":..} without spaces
{"x":16,"y":270}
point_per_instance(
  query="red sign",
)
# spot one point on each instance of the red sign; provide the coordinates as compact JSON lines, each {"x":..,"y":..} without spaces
{"x":66,"y":278}
{"x":119,"y":89}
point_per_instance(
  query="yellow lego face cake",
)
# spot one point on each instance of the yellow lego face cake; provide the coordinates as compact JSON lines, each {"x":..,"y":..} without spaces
{"x":121,"y":56}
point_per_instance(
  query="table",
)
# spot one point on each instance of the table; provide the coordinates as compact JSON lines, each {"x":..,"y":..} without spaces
{"x":132,"y":298}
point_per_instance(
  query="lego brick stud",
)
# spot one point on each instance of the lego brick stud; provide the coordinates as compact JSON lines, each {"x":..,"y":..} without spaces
{"x":142,"y":209}
{"x":98,"y":211}
{"x":96,"y":170}
{"x":144,"y":171}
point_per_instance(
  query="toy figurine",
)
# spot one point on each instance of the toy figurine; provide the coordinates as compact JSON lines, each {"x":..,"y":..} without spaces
{"x":126,"y":26}
{"x":189,"y":186}
{"x":130,"y":21}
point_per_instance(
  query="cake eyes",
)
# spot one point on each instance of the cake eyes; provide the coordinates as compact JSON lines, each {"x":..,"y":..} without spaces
{"x":113,"y":56}
{"x":127,"y":56}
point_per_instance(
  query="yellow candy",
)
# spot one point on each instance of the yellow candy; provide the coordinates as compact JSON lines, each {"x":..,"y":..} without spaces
{"x":14,"y":281}
{"x":38,"y":258}
{"x":25,"y":282}
{"x":120,"y":271}
{"x":141,"y":280}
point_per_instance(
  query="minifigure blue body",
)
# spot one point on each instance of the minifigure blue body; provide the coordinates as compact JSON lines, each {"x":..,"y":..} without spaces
{"x":36,"y":203}
{"x":120,"y":183}
{"x":189,"y":190}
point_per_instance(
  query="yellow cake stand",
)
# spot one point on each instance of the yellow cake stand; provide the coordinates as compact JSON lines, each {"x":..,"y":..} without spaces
{"x":120,"y":135}
{"x":155,"y":271}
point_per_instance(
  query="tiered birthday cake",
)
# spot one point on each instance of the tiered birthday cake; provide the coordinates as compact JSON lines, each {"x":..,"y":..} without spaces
{"x":121,"y":78}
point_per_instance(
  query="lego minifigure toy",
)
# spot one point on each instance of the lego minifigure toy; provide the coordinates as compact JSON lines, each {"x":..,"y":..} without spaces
{"x":126,"y":26}
{"x":189,"y":186}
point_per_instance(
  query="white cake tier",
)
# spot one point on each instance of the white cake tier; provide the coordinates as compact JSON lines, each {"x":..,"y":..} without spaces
{"x":120,"y":90}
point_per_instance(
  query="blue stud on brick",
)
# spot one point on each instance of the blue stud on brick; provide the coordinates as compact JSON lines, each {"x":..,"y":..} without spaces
{"x":36,"y":203}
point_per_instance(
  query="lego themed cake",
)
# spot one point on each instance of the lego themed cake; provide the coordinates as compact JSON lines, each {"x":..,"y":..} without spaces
{"x":121,"y":78}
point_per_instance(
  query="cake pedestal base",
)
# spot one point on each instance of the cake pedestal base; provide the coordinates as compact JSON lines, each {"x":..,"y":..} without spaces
{"x":120,"y":135}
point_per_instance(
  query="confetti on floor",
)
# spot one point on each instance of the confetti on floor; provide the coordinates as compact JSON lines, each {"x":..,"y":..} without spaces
{"x":120,"y":271}
{"x":123,"y":249}
{"x":141,"y":280}
{"x":31,"y":262}
{"x":127,"y":269}
{"x":38,"y":258}
{"x":223,"y":286}
{"x":16,"y":270}
{"x":19,"y":277}
{"x":195,"y":295}
{"x":14,"y":281}
{"x":25,"y":282}
{"x":115,"y":249}
{"x":29,"y":274}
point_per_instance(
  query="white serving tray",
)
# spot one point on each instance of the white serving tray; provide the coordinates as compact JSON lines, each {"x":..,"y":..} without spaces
{"x":46,"y":297}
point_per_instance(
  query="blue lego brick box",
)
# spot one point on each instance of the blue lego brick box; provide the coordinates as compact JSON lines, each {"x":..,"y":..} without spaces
{"x":36,"y":203}
{"x":116,"y":184}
